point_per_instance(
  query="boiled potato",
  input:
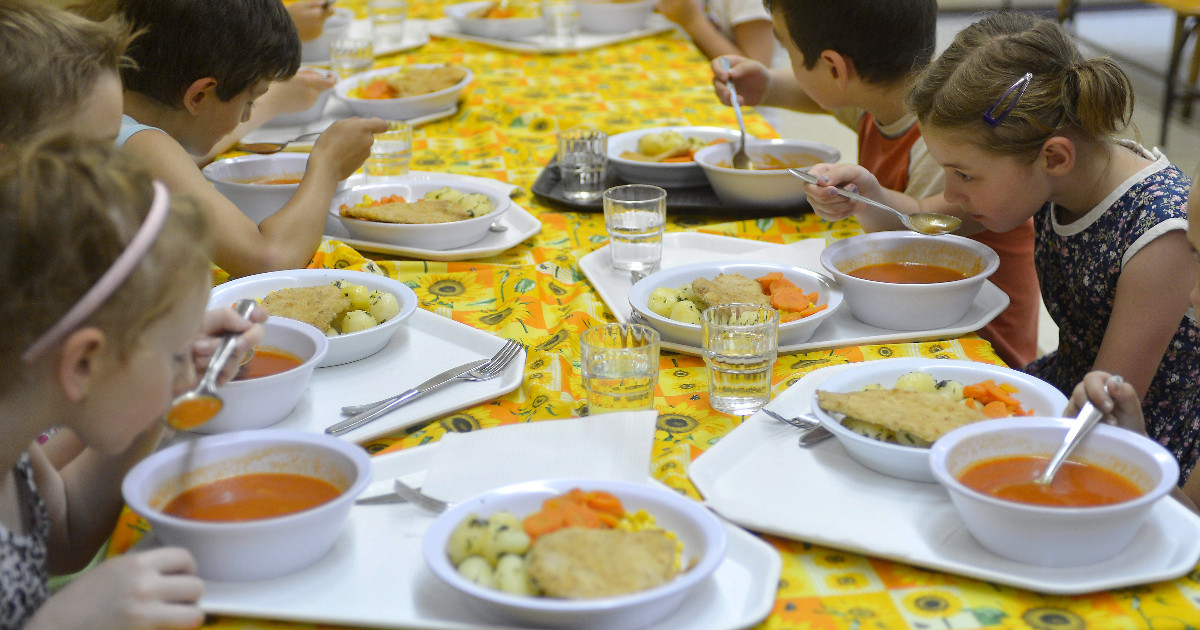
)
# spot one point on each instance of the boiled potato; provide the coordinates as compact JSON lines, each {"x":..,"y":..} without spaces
{"x":331,"y":332}
{"x":908,"y":439}
{"x":950,"y":389}
{"x":869,"y":429}
{"x":384,"y":306}
{"x":359,"y":296}
{"x":686,"y":292}
{"x":467,"y":539}
{"x":661,"y":301}
{"x":917,"y":382}
{"x":476,"y":569}
{"x":505,"y":536}
{"x":660,"y":142}
{"x":686,"y":312}
{"x":512,"y":575}
{"x":357,"y":320}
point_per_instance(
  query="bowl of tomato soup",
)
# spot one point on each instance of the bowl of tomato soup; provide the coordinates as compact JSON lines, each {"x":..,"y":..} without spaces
{"x":249,"y":505}
{"x":769,"y":185}
{"x":1094,"y":507}
{"x":909,"y":281}
{"x":259,"y":185}
{"x":270,"y":385}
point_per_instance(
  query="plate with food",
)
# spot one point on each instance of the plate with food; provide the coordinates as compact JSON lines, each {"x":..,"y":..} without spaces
{"x":403,"y":92}
{"x":539,"y":42}
{"x":663,"y":156}
{"x":432,"y":213}
{"x":512,"y":19}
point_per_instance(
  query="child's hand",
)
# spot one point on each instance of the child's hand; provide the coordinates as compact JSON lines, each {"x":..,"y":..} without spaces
{"x":1111,"y":394}
{"x":826,"y":202}
{"x":301,"y":91}
{"x":309,"y":16}
{"x":219,"y":321}
{"x":750,"y":77}
{"x":345,"y":145}
{"x":150,"y":589}
{"x":681,"y":12}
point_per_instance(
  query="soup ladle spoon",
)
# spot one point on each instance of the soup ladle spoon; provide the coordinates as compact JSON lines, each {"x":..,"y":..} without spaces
{"x":199,"y":404}
{"x":1088,"y":417}
{"x":267,"y":148}
{"x":929,"y":223}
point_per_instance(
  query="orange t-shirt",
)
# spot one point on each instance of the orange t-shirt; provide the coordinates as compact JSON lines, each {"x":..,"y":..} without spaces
{"x":1013,"y":333}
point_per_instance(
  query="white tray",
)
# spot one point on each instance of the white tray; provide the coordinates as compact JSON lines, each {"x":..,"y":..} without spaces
{"x":375,"y":575}
{"x":821,"y":495}
{"x":520,"y":222}
{"x":542,"y":43}
{"x":424,"y":345}
{"x":840,"y":330}
{"x":334,"y":111}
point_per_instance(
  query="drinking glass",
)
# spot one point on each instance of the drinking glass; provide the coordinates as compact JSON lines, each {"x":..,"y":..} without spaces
{"x":620,"y":366}
{"x":351,"y":56}
{"x":582,"y":155}
{"x":635,"y":216}
{"x":562,"y":21}
{"x":391,"y":152}
{"x":387,"y":21}
{"x":740,"y":346}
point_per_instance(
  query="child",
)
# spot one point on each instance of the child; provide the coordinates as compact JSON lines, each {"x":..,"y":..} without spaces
{"x":1024,"y":127}
{"x":855,"y":59}
{"x":58,"y":70}
{"x":726,"y":27}
{"x":200,"y":65}
{"x":104,"y":298}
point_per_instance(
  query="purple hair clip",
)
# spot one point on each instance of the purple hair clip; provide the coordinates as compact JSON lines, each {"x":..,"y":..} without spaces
{"x":1021,"y":85}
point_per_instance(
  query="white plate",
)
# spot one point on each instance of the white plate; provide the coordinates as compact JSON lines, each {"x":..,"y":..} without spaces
{"x":520,"y":222}
{"x":665,"y":174}
{"x":543,"y":44}
{"x":375,"y":575}
{"x":841,"y":329}
{"x":416,"y":34}
{"x":425,"y":344}
{"x":823,"y":496}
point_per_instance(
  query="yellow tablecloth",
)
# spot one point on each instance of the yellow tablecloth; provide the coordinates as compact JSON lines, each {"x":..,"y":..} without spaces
{"x":536,"y":293}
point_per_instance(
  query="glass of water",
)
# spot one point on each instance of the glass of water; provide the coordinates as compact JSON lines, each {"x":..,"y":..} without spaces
{"x":387,"y":21}
{"x":351,"y":56}
{"x":740,"y":346}
{"x":391,"y":152}
{"x":562,"y":21}
{"x":635,"y":216}
{"x":620,"y":366}
{"x":582,"y":155}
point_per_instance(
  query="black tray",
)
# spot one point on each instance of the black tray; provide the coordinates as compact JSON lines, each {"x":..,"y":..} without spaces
{"x":692,"y":200}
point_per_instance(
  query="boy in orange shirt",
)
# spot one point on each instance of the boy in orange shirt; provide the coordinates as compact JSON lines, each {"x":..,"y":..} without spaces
{"x":853,"y":59}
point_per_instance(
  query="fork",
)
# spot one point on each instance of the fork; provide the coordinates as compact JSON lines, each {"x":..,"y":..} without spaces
{"x":489,"y":370}
{"x":804,"y":421}
{"x":420,"y":499}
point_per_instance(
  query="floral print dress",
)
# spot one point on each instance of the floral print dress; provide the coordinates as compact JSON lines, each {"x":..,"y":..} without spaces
{"x":1078,"y":265}
{"x":23,"y":557}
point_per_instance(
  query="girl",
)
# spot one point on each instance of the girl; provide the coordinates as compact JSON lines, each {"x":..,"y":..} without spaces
{"x":1024,"y":126}
{"x":104,"y":282}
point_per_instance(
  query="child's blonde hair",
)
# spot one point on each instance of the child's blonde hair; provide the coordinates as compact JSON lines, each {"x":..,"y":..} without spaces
{"x":1092,"y":95}
{"x":68,"y":208}
{"x":50,"y":59}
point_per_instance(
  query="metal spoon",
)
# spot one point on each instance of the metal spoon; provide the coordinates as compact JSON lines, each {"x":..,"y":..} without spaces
{"x":929,"y":223}
{"x":199,"y":404}
{"x":740,"y":159}
{"x":267,"y":148}
{"x":1087,"y":418}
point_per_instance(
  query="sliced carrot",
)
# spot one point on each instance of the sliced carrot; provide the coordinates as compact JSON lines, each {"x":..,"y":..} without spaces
{"x":974,"y":391}
{"x":813,"y":309}
{"x":782,"y":284}
{"x":605,"y":502}
{"x":792,"y":299}
{"x":995,"y":409}
{"x":687,"y":157}
{"x":765,"y":281}
{"x":542,"y":522}
{"x":789,"y":316}
{"x":1002,"y":396}
{"x":970,"y":402}
{"x":608,"y":520}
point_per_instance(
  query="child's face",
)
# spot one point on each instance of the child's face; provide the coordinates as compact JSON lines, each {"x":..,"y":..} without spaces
{"x":1193,"y":237}
{"x":222,"y":117}
{"x":813,"y":81}
{"x":1001,"y":192}
{"x":99,"y":115}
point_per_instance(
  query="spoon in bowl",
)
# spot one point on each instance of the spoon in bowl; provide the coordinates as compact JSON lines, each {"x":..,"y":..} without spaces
{"x":267,"y":148}
{"x":929,"y":223}
{"x":199,"y":404}
{"x":740,"y":159}
{"x":1088,"y":416}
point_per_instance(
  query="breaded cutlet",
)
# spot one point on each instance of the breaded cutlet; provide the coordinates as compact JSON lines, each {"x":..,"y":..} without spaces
{"x":317,"y":306}
{"x":580,"y":563}
{"x":420,"y":211}
{"x":926,"y":415}
{"x":728,"y":288}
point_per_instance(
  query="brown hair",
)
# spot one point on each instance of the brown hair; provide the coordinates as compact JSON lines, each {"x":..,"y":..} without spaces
{"x":50,"y":60}
{"x":68,"y":207}
{"x":1094,"y":96}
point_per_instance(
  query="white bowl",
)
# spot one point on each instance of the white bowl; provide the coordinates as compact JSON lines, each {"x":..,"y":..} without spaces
{"x":336,"y":27}
{"x":259,"y":549}
{"x":233,"y":177}
{"x":398,"y":108}
{"x":342,"y":348}
{"x":698,"y":529}
{"x":598,"y":16}
{"x":910,"y":306}
{"x":492,"y":28}
{"x":665,"y":174}
{"x":1047,"y":535}
{"x":912,"y":462}
{"x":438,"y":236}
{"x":790,"y":333}
{"x":260,"y":402}
{"x":774,"y":188}
{"x":304,"y":116}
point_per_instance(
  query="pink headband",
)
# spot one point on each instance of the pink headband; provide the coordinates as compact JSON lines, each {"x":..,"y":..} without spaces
{"x":129,"y":259}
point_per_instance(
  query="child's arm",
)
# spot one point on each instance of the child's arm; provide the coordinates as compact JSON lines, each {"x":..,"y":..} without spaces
{"x":286,"y":239}
{"x":754,"y":39}
{"x":309,"y":17}
{"x":758,"y":85}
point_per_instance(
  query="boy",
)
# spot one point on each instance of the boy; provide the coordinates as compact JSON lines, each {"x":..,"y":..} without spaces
{"x":853,"y":59}
{"x":200,"y":65}
{"x":58,"y":70}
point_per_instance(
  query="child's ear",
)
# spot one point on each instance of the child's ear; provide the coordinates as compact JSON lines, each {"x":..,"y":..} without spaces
{"x":1057,"y":155}
{"x":198,"y":92}
{"x":78,"y":362}
{"x":840,"y":66}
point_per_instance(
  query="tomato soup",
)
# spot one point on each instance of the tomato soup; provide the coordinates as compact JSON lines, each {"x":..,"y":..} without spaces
{"x":907,"y":273}
{"x":273,"y":180}
{"x":251,"y":497}
{"x":267,"y":362}
{"x":1075,"y":484}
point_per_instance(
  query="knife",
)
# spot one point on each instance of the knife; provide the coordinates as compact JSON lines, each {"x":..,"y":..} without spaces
{"x":360,"y":419}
